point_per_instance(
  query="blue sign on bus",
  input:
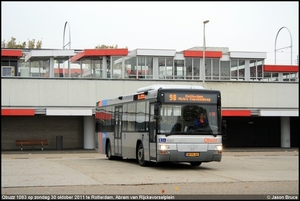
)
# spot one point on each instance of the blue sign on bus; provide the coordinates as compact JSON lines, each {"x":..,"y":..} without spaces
{"x":162,"y":140}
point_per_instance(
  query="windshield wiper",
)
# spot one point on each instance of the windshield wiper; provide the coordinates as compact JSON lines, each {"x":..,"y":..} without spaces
{"x":202,"y":131}
{"x":178,"y":132}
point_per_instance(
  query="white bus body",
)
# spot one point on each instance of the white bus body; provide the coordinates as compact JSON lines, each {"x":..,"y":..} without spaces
{"x":156,"y":124}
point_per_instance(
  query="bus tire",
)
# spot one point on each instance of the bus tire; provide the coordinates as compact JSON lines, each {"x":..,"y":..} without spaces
{"x":140,"y":155}
{"x":108,"y":152}
{"x":195,"y":163}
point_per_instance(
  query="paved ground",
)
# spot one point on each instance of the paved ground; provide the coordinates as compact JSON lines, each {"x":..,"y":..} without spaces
{"x":66,"y":151}
{"x":242,"y":171}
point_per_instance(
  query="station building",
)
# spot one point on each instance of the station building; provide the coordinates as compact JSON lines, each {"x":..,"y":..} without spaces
{"x":51,"y":93}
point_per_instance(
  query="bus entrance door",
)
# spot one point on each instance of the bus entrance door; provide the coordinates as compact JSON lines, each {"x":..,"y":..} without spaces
{"x":118,"y":129}
{"x":152,"y":133}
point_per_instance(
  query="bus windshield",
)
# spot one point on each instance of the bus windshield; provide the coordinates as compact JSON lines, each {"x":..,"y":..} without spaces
{"x":188,"y":119}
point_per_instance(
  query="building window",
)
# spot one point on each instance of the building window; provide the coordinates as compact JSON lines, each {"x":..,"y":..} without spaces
{"x":165,"y":67}
{"x":149,"y":65}
{"x":237,"y":69}
{"x":130,"y":67}
{"x":144,"y":68}
{"x":241,"y":70}
{"x":189,"y":68}
{"x":234,"y":69}
{"x":179,"y":70}
{"x":117,"y":67}
{"x":253,"y":70}
{"x":225,"y":70}
{"x":215,"y":69}
{"x":196,"y":69}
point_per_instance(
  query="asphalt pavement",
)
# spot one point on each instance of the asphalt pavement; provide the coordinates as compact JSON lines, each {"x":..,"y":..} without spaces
{"x":74,"y":151}
{"x":259,"y":172}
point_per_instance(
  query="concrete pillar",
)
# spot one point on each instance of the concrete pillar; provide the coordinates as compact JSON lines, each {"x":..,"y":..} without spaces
{"x":51,"y":67}
{"x":104,"y":67}
{"x":247,"y":70}
{"x":285,"y":132}
{"x":280,"y":77}
{"x":88,"y":132}
{"x":202,"y":69}
{"x":69,"y":68}
{"x":123,"y":68}
{"x":81,"y":70}
{"x":155,"y":68}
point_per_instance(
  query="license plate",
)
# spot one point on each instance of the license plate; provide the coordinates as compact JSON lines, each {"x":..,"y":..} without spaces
{"x":189,"y":154}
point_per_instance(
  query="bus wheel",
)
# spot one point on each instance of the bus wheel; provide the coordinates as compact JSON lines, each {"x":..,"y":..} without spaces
{"x":108,"y":152}
{"x":195,"y":163}
{"x":140,"y":155}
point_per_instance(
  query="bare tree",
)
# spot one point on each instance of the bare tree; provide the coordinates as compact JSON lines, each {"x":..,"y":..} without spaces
{"x":106,"y":47}
{"x":13,"y":44}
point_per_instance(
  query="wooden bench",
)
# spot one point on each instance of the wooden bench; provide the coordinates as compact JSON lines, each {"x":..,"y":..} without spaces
{"x":31,"y":143}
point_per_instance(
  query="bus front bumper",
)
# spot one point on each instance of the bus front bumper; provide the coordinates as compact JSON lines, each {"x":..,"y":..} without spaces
{"x":176,"y":156}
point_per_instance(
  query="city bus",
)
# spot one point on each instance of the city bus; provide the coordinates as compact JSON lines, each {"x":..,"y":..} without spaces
{"x":156,"y":124}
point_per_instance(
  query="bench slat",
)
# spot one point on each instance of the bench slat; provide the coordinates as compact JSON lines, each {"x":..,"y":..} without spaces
{"x":28,"y":142}
{"x":31,"y":142}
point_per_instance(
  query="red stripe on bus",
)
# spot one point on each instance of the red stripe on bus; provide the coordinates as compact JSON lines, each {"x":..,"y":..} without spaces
{"x":244,"y":113}
{"x":17,"y":112}
{"x":102,"y":115}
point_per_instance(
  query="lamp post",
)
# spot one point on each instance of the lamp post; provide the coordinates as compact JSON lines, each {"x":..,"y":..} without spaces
{"x":203,"y":61}
{"x":291,"y":46}
{"x":68,"y":44}
{"x":280,"y":75}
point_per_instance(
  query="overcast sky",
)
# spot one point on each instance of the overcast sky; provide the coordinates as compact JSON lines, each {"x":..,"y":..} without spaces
{"x":240,"y":26}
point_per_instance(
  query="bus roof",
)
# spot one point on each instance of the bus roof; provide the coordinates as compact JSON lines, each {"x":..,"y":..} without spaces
{"x":163,"y":86}
{"x":150,"y":92}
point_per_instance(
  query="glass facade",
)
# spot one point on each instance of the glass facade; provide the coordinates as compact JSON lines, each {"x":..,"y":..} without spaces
{"x":150,"y":67}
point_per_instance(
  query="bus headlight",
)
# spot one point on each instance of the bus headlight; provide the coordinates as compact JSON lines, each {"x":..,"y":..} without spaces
{"x":219,"y":147}
{"x":164,"y":147}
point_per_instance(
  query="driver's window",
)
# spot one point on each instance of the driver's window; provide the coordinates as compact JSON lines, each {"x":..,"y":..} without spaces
{"x":190,"y":112}
{"x":195,"y":117}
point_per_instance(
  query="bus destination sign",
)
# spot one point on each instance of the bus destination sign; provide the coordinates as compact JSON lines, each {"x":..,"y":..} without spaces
{"x":139,"y":97}
{"x":187,"y":97}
